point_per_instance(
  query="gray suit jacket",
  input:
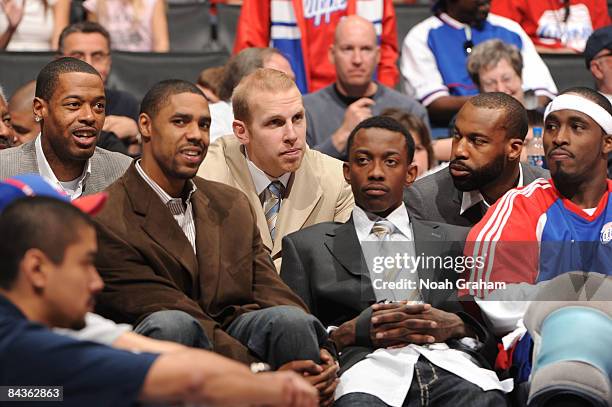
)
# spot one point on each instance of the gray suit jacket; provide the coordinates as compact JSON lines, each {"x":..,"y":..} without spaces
{"x":106,"y":166}
{"x":435,"y":198}
{"x":325,"y":266}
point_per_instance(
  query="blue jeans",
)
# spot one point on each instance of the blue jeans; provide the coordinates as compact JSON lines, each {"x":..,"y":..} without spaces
{"x":174,"y":326}
{"x":435,"y":387}
{"x":280,"y":334}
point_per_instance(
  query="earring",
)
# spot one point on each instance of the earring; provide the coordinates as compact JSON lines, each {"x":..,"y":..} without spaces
{"x":37,"y":119}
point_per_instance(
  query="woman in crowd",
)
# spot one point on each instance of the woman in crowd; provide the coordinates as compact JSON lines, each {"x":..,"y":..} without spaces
{"x":423,"y":151}
{"x":134,"y":25}
{"x":496,"y":66}
{"x":32,"y":25}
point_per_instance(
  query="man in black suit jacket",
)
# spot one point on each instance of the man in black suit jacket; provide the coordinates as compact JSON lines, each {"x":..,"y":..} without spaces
{"x":487,"y":142}
{"x":327,"y":265}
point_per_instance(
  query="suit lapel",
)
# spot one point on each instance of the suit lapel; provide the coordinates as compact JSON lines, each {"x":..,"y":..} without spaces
{"x":28,"y":163}
{"x":427,"y":242}
{"x":239,"y":169}
{"x":208,"y":242}
{"x":303,"y":197}
{"x":345,"y":248}
{"x":158,"y":223}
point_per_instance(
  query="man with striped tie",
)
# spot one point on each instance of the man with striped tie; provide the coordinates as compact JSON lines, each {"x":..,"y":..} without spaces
{"x":183,"y":260}
{"x":289,"y":185}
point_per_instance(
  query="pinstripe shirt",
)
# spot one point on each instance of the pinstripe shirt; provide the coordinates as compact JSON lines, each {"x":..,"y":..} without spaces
{"x":182,"y":213}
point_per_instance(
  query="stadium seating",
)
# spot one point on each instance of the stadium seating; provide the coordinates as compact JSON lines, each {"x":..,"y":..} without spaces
{"x":189,"y":26}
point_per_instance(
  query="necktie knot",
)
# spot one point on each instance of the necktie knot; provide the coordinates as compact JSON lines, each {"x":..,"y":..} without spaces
{"x":276,"y":189}
{"x":382,"y":229}
{"x":272,"y":205}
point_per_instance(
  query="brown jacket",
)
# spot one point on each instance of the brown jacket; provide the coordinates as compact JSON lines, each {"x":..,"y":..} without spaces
{"x":148,"y":264}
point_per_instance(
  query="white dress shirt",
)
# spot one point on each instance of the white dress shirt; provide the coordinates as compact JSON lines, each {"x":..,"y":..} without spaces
{"x":74,"y":188}
{"x":261,"y":180}
{"x":387,"y":373}
{"x":182,"y":213}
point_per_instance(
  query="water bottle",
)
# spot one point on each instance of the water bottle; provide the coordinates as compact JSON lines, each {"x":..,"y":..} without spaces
{"x":535,"y":149}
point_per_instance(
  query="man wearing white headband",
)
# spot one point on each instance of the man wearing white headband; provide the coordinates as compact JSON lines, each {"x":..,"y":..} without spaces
{"x":551,"y":227}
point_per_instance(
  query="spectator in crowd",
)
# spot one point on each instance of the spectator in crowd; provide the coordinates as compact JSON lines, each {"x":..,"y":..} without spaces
{"x":7,"y":135}
{"x":22,"y":114}
{"x":496,"y":66}
{"x":239,"y":66}
{"x":196,"y":262}
{"x":561,"y":26}
{"x":90,"y":42}
{"x":424,"y":158}
{"x":304,"y":31}
{"x":435,"y":51}
{"x":288,"y":185}
{"x":209,"y":82}
{"x":46,"y":283}
{"x":32,"y":25}
{"x":335,"y":110}
{"x":69,"y":105}
{"x":597,"y":55}
{"x":134,"y":25}
{"x":327,"y":264}
{"x":487,"y":143}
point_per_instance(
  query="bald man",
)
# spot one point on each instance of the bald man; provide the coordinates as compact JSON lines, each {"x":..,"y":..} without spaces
{"x":22,"y":115}
{"x":335,"y":110}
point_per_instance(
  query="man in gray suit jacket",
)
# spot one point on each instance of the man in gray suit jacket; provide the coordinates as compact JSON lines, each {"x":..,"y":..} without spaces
{"x":487,"y":142}
{"x":69,"y":105}
{"x":330,"y":267}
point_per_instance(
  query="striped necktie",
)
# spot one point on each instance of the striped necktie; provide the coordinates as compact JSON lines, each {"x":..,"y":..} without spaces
{"x":272,"y":205}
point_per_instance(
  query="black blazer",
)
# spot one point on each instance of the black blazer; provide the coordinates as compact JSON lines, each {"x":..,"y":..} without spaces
{"x":325,"y":266}
{"x":435,"y":198}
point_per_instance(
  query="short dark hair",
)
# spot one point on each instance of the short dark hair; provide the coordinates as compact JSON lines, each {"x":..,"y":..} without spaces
{"x":241,"y":65}
{"x":387,"y":123}
{"x":516,"y":122}
{"x":160,"y":93}
{"x":85,"y":27}
{"x":591,"y":95}
{"x":48,"y":77}
{"x":29,"y":223}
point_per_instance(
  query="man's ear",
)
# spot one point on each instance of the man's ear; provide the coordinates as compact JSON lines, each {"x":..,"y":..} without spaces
{"x":39,"y":108}
{"x":514,"y":147}
{"x":330,"y":54}
{"x":34,"y":266}
{"x":346,"y":170}
{"x":145,"y":126}
{"x":241,"y":132}
{"x":411,"y":174}
{"x":596,"y":70}
{"x":607,"y":144}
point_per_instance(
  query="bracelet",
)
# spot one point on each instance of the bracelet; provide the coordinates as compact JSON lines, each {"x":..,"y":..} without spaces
{"x":260,"y":367}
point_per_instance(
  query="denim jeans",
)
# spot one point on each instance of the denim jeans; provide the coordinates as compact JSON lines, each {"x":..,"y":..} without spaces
{"x":174,"y":326}
{"x":435,"y":387}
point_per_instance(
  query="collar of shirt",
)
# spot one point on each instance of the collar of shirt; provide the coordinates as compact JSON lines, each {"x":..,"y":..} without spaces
{"x":364,"y":221}
{"x":451,"y":21}
{"x":163,"y":195}
{"x":471,"y":198}
{"x":261,"y":179}
{"x":44,"y":169}
{"x":9,"y":309}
